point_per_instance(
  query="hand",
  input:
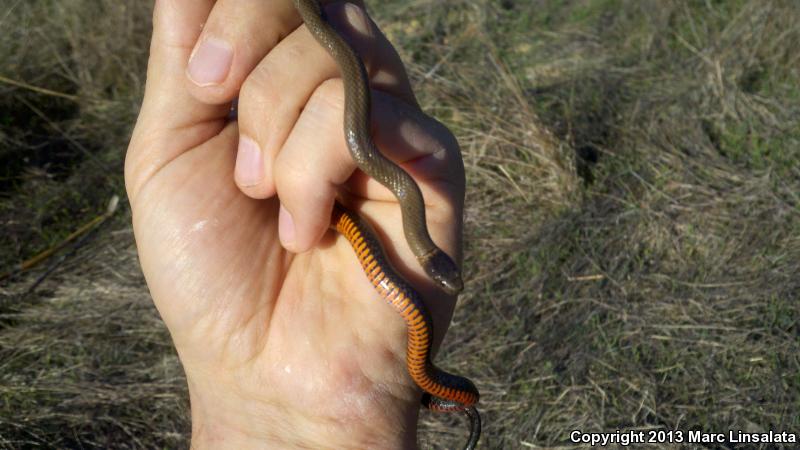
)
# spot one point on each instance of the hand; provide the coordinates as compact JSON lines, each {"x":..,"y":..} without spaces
{"x":283,"y":340}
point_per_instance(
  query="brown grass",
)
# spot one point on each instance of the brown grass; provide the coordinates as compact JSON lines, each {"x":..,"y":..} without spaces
{"x":632,"y":219}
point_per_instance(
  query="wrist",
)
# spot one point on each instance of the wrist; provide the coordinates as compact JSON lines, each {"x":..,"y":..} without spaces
{"x":239,"y":423}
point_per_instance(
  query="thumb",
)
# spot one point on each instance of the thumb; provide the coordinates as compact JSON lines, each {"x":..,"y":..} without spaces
{"x":171,"y":121}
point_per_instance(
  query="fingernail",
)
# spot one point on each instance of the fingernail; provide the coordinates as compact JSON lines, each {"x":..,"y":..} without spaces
{"x":210,"y":63}
{"x":358,"y":18}
{"x":249,"y":170}
{"x":286,"y":230}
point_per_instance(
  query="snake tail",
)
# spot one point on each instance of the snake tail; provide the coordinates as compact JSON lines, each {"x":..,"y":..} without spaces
{"x":440,"y":405}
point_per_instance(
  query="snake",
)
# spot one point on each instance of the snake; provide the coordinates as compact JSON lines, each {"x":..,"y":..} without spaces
{"x":442,"y":391}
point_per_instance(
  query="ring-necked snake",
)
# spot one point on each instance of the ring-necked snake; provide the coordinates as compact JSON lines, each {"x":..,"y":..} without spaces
{"x":442,"y":391}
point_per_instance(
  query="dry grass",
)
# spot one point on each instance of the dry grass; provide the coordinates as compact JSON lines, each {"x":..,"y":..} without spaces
{"x":632,"y":219}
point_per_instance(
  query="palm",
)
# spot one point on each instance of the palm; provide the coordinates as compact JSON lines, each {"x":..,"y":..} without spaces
{"x":286,"y":327}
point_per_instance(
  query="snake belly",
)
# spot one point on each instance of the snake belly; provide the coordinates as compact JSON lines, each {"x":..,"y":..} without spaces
{"x":357,"y":109}
{"x":444,"y":392}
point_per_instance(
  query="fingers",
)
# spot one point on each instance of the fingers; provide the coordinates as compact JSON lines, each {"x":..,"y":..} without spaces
{"x":290,"y":105}
{"x":310,"y":167}
{"x":314,"y":162}
{"x":171,"y":120}
{"x":275,"y":93}
{"x":422,"y":145}
{"x":176,"y":26}
{"x":240,"y":33}
{"x":234,"y":39}
{"x":269,"y":105}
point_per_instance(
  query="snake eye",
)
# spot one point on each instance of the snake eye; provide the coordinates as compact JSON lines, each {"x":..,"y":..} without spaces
{"x":451,"y":286}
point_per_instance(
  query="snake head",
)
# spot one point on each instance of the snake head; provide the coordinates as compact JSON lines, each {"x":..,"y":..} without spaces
{"x":444,"y":272}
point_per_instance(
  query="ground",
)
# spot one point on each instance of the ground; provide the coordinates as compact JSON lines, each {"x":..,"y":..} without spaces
{"x":632,"y":221}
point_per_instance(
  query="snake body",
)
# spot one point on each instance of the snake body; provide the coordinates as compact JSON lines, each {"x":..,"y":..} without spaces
{"x":437,"y":264}
{"x":442,"y":391}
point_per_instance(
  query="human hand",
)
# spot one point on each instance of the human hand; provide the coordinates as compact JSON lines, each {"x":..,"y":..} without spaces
{"x":283,"y":340}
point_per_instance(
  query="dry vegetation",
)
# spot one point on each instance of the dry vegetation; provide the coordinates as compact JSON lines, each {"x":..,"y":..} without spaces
{"x":633,"y":235}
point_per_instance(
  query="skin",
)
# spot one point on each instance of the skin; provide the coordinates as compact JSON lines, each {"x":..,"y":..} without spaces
{"x":284,"y":342}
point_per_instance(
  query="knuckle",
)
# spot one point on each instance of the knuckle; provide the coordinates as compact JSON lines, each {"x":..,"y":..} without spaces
{"x":327,"y":99}
{"x":290,"y":175}
{"x":259,"y":93}
{"x":291,"y":52}
{"x":444,"y":142}
{"x":259,"y":110}
{"x":298,"y":181}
